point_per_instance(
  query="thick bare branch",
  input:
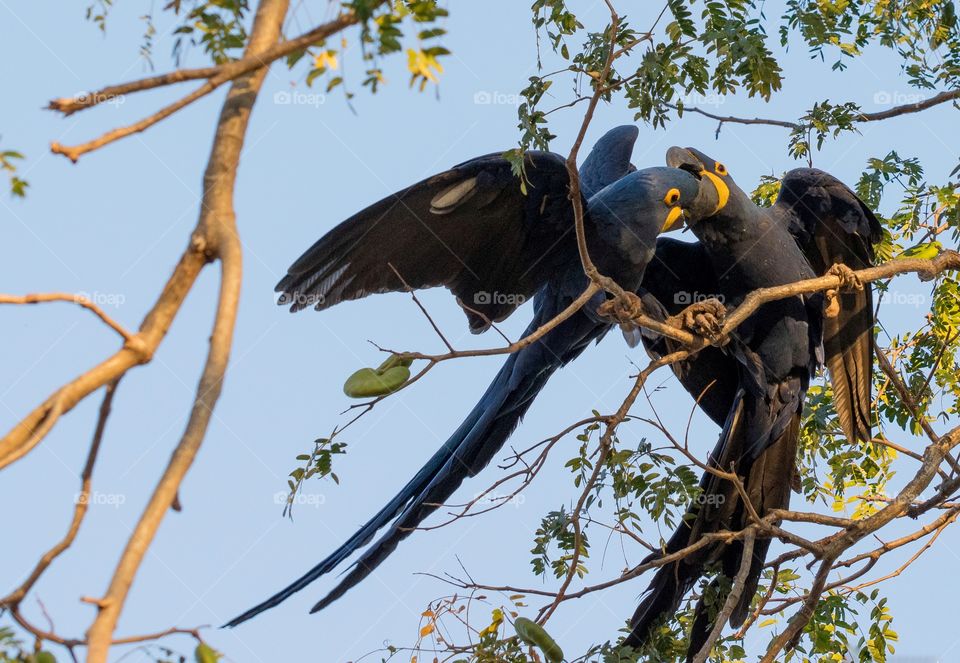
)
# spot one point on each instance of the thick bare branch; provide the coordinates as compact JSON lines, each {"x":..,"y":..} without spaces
{"x":139,"y":348}
{"x":28,"y":432}
{"x":926,"y":269}
{"x":217,"y":228}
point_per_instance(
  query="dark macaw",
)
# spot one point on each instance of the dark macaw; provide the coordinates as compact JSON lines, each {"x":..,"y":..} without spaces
{"x":755,"y":386}
{"x":472,"y":230}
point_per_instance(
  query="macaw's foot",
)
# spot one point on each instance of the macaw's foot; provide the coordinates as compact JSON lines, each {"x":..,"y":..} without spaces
{"x":704,"y":318}
{"x":848,"y":278}
{"x":621,"y":309}
{"x":848,"y":281}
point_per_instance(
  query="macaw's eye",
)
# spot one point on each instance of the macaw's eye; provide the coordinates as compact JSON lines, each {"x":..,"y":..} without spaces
{"x":673,"y":195}
{"x":720,"y":168}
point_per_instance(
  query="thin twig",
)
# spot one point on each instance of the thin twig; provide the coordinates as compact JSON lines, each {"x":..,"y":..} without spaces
{"x":216,"y":76}
{"x":80,"y":300}
{"x":905,"y":109}
{"x":423,"y":309}
{"x":71,"y":643}
{"x":746,"y":560}
{"x":787,"y":638}
{"x":81,"y":504}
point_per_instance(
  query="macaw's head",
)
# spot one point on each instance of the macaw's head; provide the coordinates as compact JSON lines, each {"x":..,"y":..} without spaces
{"x":720,"y":195}
{"x":653,"y":199}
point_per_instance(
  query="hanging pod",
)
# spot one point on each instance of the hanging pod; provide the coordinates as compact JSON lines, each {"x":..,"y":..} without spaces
{"x":533,"y":634}
{"x":386,"y":379}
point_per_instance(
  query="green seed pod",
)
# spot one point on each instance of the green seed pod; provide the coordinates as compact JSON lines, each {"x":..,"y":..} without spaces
{"x":533,"y":634}
{"x":394,"y":361}
{"x":387,"y":378}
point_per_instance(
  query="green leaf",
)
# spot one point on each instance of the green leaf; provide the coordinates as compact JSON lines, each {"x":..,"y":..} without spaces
{"x":206,"y":654}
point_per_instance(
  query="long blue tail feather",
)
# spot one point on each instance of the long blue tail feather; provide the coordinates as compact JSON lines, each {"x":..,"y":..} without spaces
{"x":468,"y":450}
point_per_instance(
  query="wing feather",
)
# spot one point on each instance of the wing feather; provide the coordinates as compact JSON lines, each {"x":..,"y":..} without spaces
{"x":832,"y":225}
{"x":470,"y":229}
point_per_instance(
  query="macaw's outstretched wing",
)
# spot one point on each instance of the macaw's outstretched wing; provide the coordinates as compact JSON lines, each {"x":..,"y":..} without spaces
{"x":833,"y":226}
{"x":471,"y":229}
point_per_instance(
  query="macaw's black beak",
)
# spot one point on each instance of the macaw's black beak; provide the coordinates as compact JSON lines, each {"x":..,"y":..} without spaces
{"x":714,"y":192}
{"x":684,"y":159}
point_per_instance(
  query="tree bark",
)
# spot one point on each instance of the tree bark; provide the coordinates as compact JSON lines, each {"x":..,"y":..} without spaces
{"x":215,"y":237}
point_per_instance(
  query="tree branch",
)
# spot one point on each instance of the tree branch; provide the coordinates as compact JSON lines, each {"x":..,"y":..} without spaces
{"x":905,"y":109}
{"x":943,"y":520}
{"x":216,"y":76}
{"x":71,"y":643}
{"x":571,"y":163}
{"x":787,"y":639}
{"x":81,"y":505}
{"x":80,"y":300}
{"x":926,"y":269}
{"x":746,"y":560}
{"x":217,"y":227}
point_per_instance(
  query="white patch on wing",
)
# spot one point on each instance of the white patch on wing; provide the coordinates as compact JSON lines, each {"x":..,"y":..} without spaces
{"x":452,"y":197}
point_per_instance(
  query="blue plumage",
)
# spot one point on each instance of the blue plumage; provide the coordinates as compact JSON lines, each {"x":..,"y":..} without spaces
{"x":626,"y":211}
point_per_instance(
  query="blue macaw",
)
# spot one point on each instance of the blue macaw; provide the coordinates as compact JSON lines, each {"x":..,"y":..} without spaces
{"x":755,"y":386}
{"x":472,"y":230}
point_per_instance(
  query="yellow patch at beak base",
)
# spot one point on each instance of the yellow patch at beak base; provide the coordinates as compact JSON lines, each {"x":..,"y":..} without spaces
{"x":723,"y":191}
{"x":672,"y":216}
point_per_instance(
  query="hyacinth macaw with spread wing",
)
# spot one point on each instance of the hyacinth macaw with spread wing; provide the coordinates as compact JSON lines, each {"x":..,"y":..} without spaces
{"x":472,"y":230}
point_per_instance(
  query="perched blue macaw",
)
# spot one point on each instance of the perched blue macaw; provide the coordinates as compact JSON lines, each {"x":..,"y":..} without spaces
{"x":473,"y":230}
{"x":755,"y":386}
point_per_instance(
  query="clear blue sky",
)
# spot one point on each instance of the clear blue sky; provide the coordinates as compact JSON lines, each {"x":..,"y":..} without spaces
{"x":114,"y":225}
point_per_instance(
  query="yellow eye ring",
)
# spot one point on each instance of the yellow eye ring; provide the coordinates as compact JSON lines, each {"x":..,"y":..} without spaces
{"x":673,"y":195}
{"x":720,"y":168}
